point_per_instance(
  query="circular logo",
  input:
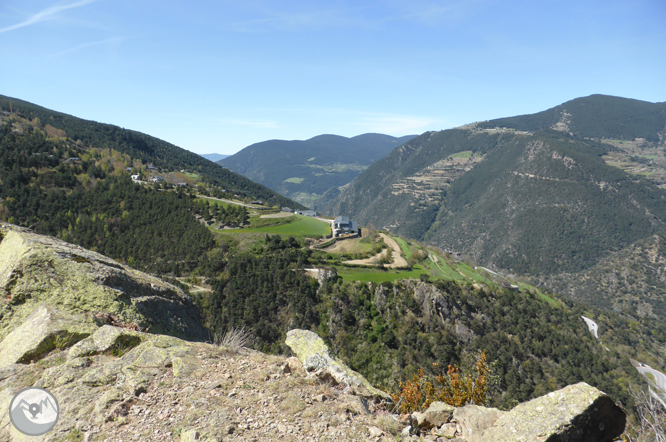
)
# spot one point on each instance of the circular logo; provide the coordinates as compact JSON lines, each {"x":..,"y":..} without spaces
{"x":34,"y":411}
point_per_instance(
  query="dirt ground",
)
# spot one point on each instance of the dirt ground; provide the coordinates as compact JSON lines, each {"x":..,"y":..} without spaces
{"x":277,"y":215}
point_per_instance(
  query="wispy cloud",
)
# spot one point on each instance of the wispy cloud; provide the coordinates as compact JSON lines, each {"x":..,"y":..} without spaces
{"x":86,"y":45}
{"x":46,"y":14}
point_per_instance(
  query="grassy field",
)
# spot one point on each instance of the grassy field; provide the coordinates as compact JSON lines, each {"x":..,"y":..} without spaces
{"x":294,"y":180}
{"x":304,"y":226}
{"x":406,"y":249}
{"x":352,"y":245}
{"x":444,"y":270}
{"x":377,"y":275}
{"x":212,"y":201}
{"x":465,"y":154}
{"x":190,"y":175}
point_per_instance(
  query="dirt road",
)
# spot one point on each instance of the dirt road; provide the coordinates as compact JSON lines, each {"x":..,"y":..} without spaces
{"x":396,"y":256}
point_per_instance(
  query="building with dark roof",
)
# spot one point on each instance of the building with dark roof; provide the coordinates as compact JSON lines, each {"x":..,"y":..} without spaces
{"x":342,"y":225}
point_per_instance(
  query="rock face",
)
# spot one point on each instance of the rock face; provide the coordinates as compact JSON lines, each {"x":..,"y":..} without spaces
{"x":44,"y":330}
{"x":577,"y":413}
{"x":316,"y":357}
{"x":37,"y":269}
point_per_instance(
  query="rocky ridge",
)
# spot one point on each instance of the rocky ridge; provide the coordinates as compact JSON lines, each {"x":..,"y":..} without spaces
{"x":123,"y":385}
{"x":36,"y":269}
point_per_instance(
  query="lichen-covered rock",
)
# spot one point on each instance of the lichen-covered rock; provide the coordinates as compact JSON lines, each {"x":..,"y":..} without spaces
{"x":36,"y":269}
{"x":42,"y":331}
{"x":474,"y":420}
{"x":437,"y":414}
{"x":316,"y":357}
{"x":577,"y":413}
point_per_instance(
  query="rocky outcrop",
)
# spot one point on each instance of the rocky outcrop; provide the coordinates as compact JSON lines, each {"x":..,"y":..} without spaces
{"x":120,"y":384}
{"x":575,"y":413}
{"x":316,"y":358}
{"x":44,"y":330}
{"x":37,"y":269}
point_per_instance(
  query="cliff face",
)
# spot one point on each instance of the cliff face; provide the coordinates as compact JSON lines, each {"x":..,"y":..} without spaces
{"x":36,"y":269}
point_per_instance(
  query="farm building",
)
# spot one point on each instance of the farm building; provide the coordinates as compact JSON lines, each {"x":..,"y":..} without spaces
{"x":156,"y":179}
{"x":287,"y":209}
{"x":305,"y":212}
{"x":342,"y":225}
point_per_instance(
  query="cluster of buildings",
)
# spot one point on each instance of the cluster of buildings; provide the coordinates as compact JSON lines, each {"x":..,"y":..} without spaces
{"x":299,"y":212}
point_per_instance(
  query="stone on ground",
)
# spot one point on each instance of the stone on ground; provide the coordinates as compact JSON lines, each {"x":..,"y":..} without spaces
{"x":316,"y":357}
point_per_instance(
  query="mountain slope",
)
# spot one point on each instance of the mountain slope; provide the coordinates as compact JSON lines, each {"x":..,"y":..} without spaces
{"x":533,"y":203}
{"x":304,"y":170}
{"x":138,"y":146}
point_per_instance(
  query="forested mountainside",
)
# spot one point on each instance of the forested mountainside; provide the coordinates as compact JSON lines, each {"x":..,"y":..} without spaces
{"x":387,"y":331}
{"x":305,"y":170}
{"x":596,"y":116}
{"x":139,"y":146}
{"x":62,"y":187}
{"x":541,"y":195}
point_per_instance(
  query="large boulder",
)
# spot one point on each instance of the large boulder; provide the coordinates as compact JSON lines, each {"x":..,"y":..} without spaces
{"x":316,"y":358}
{"x":474,"y":420}
{"x":44,"y":330}
{"x":577,"y":413}
{"x":37,"y":269}
{"x":437,"y":414}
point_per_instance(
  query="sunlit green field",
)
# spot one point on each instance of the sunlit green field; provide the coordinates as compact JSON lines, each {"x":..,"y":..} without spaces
{"x":304,"y":226}
{"x":377,"y":275}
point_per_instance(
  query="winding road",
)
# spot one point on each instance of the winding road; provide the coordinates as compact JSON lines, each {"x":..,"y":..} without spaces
{"x":659,"y":377}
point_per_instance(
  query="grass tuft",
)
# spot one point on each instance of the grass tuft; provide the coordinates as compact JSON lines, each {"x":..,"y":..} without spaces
{"x":235,"y":339}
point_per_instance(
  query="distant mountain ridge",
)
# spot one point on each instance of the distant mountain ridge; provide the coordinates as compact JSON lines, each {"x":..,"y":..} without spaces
{"x":305,"y":170}
{"x":214,"y":157}
{"x":540,"y":194}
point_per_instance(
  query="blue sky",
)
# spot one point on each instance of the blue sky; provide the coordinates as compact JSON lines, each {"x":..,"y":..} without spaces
{"x":216,"y":76}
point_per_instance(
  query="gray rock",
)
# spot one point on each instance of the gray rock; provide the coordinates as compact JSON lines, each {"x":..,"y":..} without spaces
{"x":39,"y":269}
{"x":474,"y":420}
{"x":437,"y":414}
{"x":375,"y":432}
{"x":189,"y":436}
{"x":42,"y":331}
{"x":316,"y":357}
{"x":577,"y":413}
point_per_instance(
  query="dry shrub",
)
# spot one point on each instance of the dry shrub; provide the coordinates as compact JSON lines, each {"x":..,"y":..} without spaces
{"x":650,"y":416}
{"x":235,"y":339}
{"x":451,"y":388}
